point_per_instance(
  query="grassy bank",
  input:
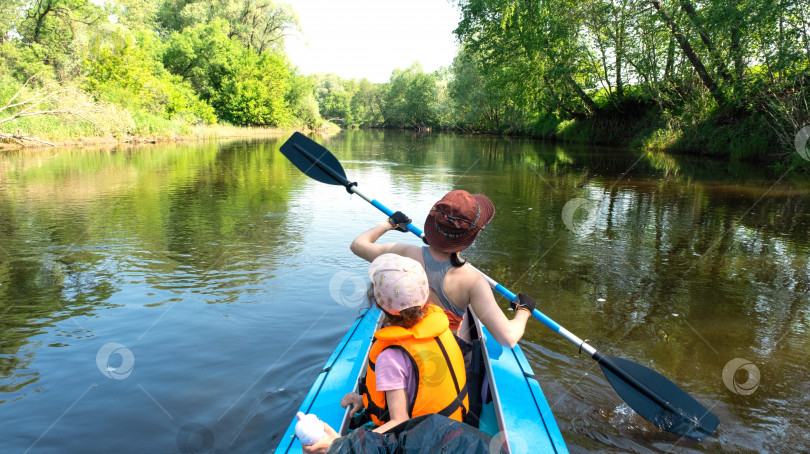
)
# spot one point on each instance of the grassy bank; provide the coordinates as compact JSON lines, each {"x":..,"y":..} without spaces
{"x":108,"y":124}
{"x":746,"y":138}
{"x":735,"y":135}
{"x":52,"y":114}
{"x":72,"y":138}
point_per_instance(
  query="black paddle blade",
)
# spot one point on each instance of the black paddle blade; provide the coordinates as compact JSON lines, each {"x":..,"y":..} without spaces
{"x":313,"y":159}
{"x":670,"y":408}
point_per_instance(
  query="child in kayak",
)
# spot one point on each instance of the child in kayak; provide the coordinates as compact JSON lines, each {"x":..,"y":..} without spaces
{"x":415,"y":365}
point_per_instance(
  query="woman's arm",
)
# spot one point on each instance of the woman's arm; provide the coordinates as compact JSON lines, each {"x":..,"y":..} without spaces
{"x":365,"y":245}
{"x":507,"y":332}
{"x":397,"y":401}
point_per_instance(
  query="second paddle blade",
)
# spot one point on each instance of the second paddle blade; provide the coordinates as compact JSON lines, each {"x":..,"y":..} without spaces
{"x":310,"y":158}
{"x":689,"y":417}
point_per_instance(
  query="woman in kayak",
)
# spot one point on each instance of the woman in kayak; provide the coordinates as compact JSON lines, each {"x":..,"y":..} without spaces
{"x":452,"y":225}
{"x":415,"y":365}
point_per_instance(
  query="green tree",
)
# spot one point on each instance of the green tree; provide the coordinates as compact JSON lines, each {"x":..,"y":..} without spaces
{"x":22,"y":61}
{"x":9,"y":18}
{"x":118,"y":63}
{"x":253,"y":91}
{"x":337,"y":107}
{"x":260,"y":25}
{"x":531,"y":51}
{"x":119,"y":70}
{"x":443,"y":113}
{"x":334,"y":96}
{"x":473,"y":105}
{"x":366,"y":103}
{"x":690,"y":53}
{"x":324,"y":85}
{"x":301,"y":100}
{"x":59,"y":29}
{"x":203,"y":55}
{"x":133,"y":14}
{"x":410,"y":101}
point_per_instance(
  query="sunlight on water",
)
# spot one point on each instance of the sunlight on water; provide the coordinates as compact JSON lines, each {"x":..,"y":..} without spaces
{"x":201,"y":288}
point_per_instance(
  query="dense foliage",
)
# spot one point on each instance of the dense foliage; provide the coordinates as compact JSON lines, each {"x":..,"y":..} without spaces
{"x":182,"y":61}
{"x":722,"y":77}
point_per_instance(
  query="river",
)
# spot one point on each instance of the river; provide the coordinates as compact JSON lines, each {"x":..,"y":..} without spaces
{"x":182,"y":298}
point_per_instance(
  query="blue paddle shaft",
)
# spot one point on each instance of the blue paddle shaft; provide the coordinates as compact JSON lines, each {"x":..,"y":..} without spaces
{"x":547,"y":321}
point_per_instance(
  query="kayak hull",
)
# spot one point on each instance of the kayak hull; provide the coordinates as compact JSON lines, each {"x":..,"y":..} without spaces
{"x":519,"y":413}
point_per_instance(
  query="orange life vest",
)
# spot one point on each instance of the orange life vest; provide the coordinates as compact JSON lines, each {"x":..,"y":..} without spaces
{"x":441,"y":387}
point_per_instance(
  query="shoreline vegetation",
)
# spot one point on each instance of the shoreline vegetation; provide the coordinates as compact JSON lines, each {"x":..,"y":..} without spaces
{"x":722,"y":79}
{"x":196,"y":134}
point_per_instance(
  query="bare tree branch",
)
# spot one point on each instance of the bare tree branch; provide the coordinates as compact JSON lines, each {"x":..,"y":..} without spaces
{"x":35,"y":104}
{"x":21,"y":139}
{"x":18,"y":94}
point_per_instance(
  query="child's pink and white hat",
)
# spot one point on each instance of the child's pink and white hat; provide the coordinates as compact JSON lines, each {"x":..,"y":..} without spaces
{"x":399,"y":283}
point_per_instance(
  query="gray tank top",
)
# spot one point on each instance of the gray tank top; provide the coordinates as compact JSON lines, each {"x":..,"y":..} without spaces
{"x":436,"y":271}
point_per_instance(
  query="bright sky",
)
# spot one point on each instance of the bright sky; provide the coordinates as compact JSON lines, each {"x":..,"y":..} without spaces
{"x":370,"y":38}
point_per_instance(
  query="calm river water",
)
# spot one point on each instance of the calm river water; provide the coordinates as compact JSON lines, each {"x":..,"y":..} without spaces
{"x":183,"y":298}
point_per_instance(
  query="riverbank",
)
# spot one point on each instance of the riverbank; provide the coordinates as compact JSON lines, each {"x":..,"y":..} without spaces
{"x":760,"y":138}
{"x":725,"y":135}
{"x":193,"y":134}
{"x":729,"y":136}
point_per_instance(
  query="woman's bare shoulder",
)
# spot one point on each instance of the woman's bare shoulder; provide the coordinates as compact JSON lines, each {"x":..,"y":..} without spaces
{"x":408,"y":250}
{"x":465,"y":277}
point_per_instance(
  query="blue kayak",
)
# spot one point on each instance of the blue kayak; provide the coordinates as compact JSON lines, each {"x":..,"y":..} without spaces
{"x":518,"y":414}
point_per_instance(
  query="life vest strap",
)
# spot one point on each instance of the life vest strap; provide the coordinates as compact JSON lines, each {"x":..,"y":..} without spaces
{"x":455,"y":404}
{"x":449,"y":363}
{"x":460,"y":394}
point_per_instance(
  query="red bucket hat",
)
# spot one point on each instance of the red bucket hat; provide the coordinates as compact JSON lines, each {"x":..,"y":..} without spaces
{"x":456,"y":219}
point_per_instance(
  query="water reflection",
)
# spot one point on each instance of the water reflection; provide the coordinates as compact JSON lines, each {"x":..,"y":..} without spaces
{"x":212,"y":264}
{"x":80,"y":228}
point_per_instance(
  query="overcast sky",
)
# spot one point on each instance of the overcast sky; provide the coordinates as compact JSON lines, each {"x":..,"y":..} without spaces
{"x":370,"y":38}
